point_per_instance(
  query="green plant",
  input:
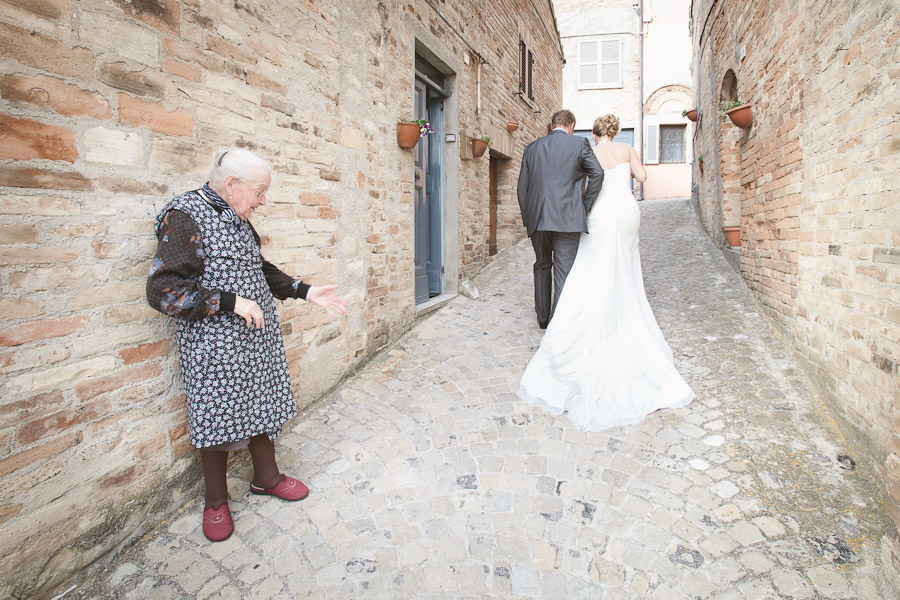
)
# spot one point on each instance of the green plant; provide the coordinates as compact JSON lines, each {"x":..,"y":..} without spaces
{"x":729,"y":105}
{"x":486,"y":138}
{"x":424,"y":127}
{"x":684,"y":113}
{"x":699,"y":158}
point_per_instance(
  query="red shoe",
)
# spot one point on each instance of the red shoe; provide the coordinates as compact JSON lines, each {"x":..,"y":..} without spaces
{"x":288,"y":489}
{"x":217,"y":523}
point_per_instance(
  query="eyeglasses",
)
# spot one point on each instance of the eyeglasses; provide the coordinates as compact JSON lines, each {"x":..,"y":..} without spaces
{"x":221,"y":156}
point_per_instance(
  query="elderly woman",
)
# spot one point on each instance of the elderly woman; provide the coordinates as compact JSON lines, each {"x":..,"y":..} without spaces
{"x":209,"y":274}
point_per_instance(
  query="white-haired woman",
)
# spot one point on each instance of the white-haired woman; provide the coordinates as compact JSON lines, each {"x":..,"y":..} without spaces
{"x":209,"y":274}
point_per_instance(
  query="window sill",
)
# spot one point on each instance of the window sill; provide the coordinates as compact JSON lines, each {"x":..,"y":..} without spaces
{"x":611,"y":86}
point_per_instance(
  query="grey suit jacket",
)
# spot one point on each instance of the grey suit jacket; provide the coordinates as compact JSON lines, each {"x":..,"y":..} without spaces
{"x":550,"y":183}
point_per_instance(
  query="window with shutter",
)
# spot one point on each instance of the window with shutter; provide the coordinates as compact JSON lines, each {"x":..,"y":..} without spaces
{"x":600,"y":63}
{"x":671,"y":143}
{"x":530,"y":75}
{"x":523,"y":70}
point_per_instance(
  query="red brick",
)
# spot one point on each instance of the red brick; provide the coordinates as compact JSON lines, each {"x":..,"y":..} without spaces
{"x":95,"y":387}
{"x":20,"y":410}
{"x":18,"y":234}
{"x":28,"y":177}
{"x":191,"y":54}
{"x":38,"y":256}
{"x":144,"y":351}
{"x":47,"y":9}
{"x":140,"y":113}
{"x":313,"y":199}
{"x":23,"y":139}
{"x":328,"y":212}
{"x":129,"y":186}
{"x":39,"y":330}
{"x":141,"y":82}
{"x":43,"y":52}
{"x":19,"y":460}
{"x":175,"y":67}
{"x":32,"y":431}
{"x":28,"y":358}
{"x":216,"y":44}
{"x":257,"y":80}
{"x":161,"y":14}
{"x":19,"y":309}
{"x":8,"y":511}
{"x":64,"y":98}
{"x":151,"y":446}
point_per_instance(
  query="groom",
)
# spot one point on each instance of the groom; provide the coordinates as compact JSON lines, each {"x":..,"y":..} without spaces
{"x":554,"y":209}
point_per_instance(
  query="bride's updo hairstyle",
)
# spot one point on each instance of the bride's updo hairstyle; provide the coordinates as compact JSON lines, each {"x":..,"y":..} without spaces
{"x":606,"y":125}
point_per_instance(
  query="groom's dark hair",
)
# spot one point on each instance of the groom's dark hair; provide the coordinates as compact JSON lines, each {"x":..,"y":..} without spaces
{"x":562,"y":118}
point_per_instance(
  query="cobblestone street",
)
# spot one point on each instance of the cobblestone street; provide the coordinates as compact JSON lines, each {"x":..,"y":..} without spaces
{"x":429,"y":479}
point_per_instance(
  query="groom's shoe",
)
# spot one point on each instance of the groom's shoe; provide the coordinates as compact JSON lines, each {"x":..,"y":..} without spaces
{"x":542,"y":324}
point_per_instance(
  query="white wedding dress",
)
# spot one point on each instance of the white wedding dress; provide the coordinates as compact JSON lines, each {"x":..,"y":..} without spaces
{"x":603,"y":358}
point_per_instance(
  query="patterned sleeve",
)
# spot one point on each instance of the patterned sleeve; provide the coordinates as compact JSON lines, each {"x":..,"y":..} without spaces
{"x":172,"y":286}
{"x":280,"y":283}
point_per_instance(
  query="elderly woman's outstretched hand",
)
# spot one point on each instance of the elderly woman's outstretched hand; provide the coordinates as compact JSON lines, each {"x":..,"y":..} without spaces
{"x":323,"y":296}
{"x":250,"y":311}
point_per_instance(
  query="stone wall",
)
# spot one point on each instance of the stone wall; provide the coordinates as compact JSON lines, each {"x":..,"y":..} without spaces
{"x":109,"y":108}
{"x":819,"y":197}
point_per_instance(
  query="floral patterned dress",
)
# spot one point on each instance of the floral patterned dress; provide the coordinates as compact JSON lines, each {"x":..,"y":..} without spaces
{"x":236,"y":379}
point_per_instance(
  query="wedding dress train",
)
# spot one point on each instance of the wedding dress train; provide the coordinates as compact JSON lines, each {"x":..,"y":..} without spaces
{"x":603,"y":358}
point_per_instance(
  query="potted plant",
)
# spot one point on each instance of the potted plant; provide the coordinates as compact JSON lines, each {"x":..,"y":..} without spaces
{"x":732,"y":235}
{"x":480,"y":145}
{"x":690,"y":114}
{"x":512,"y":126}
{"x":700,"y":163}
{"x":410,"y":132}
{"x":739,"y":113}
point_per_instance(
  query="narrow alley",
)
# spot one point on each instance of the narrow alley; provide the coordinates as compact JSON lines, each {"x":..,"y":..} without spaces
{"x":430,"y":479}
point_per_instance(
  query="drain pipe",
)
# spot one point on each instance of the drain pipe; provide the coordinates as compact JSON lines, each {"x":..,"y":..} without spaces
{"x":640,"y":7}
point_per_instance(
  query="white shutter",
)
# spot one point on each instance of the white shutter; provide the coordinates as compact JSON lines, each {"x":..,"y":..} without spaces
{"x":587,"y":64}
{"x":651,"y":145}
{"x":611,"y":63}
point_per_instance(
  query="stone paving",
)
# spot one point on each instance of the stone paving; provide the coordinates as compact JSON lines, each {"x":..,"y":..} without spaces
{"x":431,"y":480}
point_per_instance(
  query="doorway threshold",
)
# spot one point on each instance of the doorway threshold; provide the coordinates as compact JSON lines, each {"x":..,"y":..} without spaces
{"x":432,"y":304}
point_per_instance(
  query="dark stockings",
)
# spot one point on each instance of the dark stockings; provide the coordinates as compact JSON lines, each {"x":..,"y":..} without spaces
{"x":215,"y":463}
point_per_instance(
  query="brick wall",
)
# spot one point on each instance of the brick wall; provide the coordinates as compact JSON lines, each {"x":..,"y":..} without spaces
{"x":819,"y":196}
{"x":108,"y":109}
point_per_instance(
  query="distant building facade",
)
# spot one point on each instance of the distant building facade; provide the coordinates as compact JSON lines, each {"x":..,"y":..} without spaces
{"x":632,"y":59}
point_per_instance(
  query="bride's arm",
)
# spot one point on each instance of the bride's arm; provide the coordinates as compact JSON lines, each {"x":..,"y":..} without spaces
{"x":637,"y":168}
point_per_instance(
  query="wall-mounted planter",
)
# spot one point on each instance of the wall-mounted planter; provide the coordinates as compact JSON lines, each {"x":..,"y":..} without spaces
{"x":511,"y":126}
{"x":479,"y":147}
{"x":691,"y":115}
{"x":741,"y":116}
{"x":733,"y":235}
{"x":408,"y":134}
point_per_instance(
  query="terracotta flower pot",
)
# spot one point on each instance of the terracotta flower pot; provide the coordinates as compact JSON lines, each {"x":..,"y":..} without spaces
{"x":479,"y":147}
{"x":733,"y":235}
{"x":700,"y":166}
{"x":692,"y":115}
{"x":407,"y":134}
{"x":511,"y":126}
{"x":741,"y":116}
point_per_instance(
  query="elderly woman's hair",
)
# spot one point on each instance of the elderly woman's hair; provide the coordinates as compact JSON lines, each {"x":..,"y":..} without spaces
{"x":236,"y":162}
{"x":606,"y":125}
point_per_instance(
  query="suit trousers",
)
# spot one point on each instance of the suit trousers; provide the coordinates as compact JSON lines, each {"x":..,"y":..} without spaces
{"x":554,"y":253}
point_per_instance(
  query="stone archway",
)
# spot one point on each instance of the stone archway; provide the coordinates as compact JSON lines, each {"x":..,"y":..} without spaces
{"x":667,"y":93}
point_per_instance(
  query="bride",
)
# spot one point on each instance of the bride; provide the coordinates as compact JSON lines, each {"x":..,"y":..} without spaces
{"x":603,"y":358}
